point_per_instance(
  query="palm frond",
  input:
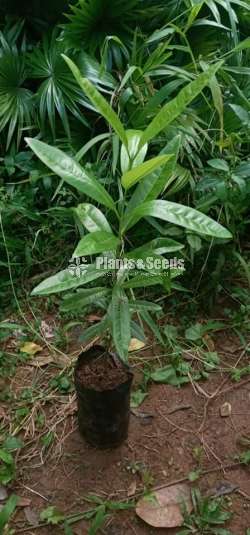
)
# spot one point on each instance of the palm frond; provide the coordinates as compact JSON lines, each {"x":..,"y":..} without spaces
{"x":58,"y":95}
{"x":16,"y":100}
{"x":91,"y":21}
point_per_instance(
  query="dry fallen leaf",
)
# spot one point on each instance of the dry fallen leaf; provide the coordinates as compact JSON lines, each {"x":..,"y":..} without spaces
{"x":46,"y":330}
{"x":162,"y":509}
{"x":3,"y":413}
{"x":136,"y":344}
{"x":31,"y":516}
{"x":132,"y":489}
{"x":41,"y":361}
{"x":209,"y":342}
{"x":30,"y":348}
{"x":23,"y":502}
{"x":93,"y":317}
{"x":222,"y":488}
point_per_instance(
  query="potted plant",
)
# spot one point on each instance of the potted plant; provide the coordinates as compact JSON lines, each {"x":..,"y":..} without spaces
{"x":102,"y":379}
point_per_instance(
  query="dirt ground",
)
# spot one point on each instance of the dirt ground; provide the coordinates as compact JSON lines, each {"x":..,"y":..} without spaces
{"x":175,"y":431}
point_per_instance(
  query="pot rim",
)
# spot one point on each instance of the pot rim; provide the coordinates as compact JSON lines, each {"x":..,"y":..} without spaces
{"x":112,"y":355}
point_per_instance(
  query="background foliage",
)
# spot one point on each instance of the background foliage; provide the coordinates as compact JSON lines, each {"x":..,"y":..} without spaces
{"x":139,"y":56}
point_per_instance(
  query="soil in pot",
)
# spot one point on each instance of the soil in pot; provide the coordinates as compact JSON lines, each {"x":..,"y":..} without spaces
{"x":103,"y":386}
{"x":102,"y":373}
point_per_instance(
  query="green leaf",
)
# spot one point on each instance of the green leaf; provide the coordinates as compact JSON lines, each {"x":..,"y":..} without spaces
{"x":245,"y":457}
{"x":152,"y":185}
{"x":219,"y":164}
{"x":168,"y":375}
{"x":7,"y":511}
{"x":134,"y":175}
{"x":167,"y":175}
{"x":158,"y":246}
{"x":67,"y":529}
{"x":120,"y":318}
{"x":130,"y":157}
{"x":164,"y":375}
{"x":6,"y":457}
{"x":98,"y":520}
{"x":241,"y":46}
{"x":67,"y":279}
{"x":96,"y":242}
{"x":177,"y":214}
{"x":90,"y":144}
{"x":195,"y":332}
{"x":51,"y":515}
{"x":144,"y":305}
{"x":70,"y":171}
{"x":137,"y":398}
{"x":152,"y":325}
{"x":194,"y":475}
{"x":137,"y":331}
{"x":194,"y":242}
{"x":12,"y":443}
{"x":173,"y":109}
{"x":83,"y":298}
{"x":94,"y":330}
{"x":92,"y":218}
{"x":98,"y":101}
{"x":142,"y":281}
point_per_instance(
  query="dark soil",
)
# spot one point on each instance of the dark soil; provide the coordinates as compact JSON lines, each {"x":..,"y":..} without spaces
{"x":102,"y":373}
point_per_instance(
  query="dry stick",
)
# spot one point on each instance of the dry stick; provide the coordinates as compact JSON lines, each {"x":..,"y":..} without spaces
{"x":177,"y":426}
{"x":180,"y":408}
{"x":242,"y":493}
{"x":35,"y":492}
{"x":215,"y":394}
{"x":202,"y":474}
{"x":237,"y":385}
{"x":38,"y":526}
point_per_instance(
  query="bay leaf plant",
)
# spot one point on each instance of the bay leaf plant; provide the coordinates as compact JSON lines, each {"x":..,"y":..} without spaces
{"x":139,"y":193}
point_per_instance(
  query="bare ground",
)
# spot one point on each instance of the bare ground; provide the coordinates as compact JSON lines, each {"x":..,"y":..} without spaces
{"x":183,"y":431}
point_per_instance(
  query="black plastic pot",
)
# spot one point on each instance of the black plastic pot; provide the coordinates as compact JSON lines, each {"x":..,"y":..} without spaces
{"x":103,"y":415}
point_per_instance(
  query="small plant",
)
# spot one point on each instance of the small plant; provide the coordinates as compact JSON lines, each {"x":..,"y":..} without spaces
{"x":7,"y":461}
{"x":97,"y":514}
{"x":111,"y":235}
{"x":5,"y":514}
{"x":208,"y":517}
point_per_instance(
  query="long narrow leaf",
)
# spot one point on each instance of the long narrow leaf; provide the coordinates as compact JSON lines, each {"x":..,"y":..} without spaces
{"x":178,"y":214}
{"x":96,"y":242}
{"x":173,"y":109}
{"x":98,"y":101}
{"x":91,"y":217}
{"x":120,"y":318}
{"x":70,"y":171}
{"x":134,"y":175}
{"x":68,"y":279}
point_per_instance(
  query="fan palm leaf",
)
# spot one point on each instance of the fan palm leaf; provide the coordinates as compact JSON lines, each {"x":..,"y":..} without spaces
{"x":58,"y":95}
{"x":16,"y":100}
{"x":91,"y":21}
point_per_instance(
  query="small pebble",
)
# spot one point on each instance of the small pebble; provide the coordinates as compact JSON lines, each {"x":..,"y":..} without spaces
{"x":225,"y":410}
{"x":3,"y":493}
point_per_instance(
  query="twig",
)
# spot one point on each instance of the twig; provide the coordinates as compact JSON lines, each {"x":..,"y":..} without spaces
{"x":202,"y":474}
{"x":175,"y":425}
{"x":242,"y":493}
{"x":213,"y":396}
{"x":180,"y":408}
{"x":35,"y":492}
